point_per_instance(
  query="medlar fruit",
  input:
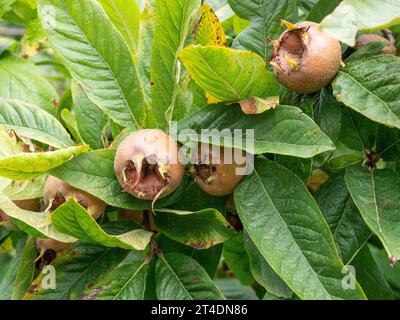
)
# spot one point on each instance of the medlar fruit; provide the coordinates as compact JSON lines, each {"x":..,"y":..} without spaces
{"x":217,"y":169}
{"x":305,"y":59}
{"x":29,"y":205}
{"x":365,"y":39}
{"x":148,"y":164}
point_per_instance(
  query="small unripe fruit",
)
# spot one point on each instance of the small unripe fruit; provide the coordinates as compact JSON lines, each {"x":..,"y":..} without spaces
{"x":57,"y":192}
{"x":365,"y":39}
{"x":148,"y":164}
{"x":217,"y":169}
{"x":305,"y":59}
{"x":29,"y":205}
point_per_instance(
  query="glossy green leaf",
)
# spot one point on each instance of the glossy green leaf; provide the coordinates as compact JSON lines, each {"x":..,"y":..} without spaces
{"x":96,"y":55}
{"x":348,"y":228}
{"x":127,"y":281}
{"x":36,"y":224}
{"x":179,"y":277}
{"x":201,"y":230}
{"x":232,"y":289}
{"x":20,"y":79}
{"x":264,"y":17}
{"x":26,"y":166}
{"x":93,"y":172}
{"x":76,"y":269}
{"x":174,"y":20}
{"x":72,"y":219}
{"x":287,"y":227}
{"x":91,"y":120}
{"x":31,"y":122}
{"x":263,"y":273}
{"x":367,"y":15}
{"x":370,"y":87}
{"x":321,"y":9}
{"x":377,"y":195}
{"x":26,"y":270}
{"x":125,"y":15}
{"x":230,"y":75}
{"x":391,"y":273}
{"x":285,"y":130}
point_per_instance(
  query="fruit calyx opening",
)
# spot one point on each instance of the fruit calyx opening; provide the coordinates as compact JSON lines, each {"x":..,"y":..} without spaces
{"x":145,"y":175}
{"x":371,"y":159}
{"x":290,"y":49}
{"x":205,"y":172}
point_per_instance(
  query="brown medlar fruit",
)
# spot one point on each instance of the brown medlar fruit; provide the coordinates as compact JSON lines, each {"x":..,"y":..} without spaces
{"x":365,"y":39}
{"x":29,"y":205}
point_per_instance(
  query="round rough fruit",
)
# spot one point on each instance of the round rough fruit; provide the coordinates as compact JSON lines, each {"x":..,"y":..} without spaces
{"x":148,"y":164}
{"x":365,"y":39}
{"x":217,"y":169}
{"x":50,"y":244}
{"x":57,"y":192}
{"x":305,"y":59}
{"x":29,"y":205}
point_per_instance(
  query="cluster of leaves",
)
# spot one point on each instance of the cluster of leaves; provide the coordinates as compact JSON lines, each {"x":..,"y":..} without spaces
{"x":76,"y":76}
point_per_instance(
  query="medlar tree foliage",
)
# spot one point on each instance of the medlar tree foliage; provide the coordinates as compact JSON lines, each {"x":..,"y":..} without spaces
{"x":97,"y":97}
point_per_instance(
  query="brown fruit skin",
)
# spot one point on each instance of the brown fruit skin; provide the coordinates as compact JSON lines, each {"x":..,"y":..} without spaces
{"x":155,"y":144}
{"x":224,"y":179}
{"x":319,"y":65}
{"x":29,"y":205}
{"x":50,"y":244}
{"x":55,"y":186}
{"x":363,"y":40}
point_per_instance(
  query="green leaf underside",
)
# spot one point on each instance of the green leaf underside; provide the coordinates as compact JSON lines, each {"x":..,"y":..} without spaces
{"x":32,"y":122}
{"x":72,"y":219}
{"x":287,"y":227}
{"x":285,"y":130}
{"x":201,"y":230}
{"x":96,"y":55}
{"x":371,"y":87}
{"x":93,"y":172}
{"x":229,"y":75}
{"x":179,"y":277}
{"x":35,"y":224}
{"x":377,"y":196}
{"x":26,"y":166}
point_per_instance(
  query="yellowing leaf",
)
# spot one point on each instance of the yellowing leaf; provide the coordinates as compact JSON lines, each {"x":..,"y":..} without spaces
{"x":209,"y":28}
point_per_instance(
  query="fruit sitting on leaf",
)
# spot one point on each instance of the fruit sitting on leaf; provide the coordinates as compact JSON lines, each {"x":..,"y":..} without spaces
{"x":305,"y":59}
{"x":56,"y":193}
{"x":365,"y":39}
{"x":148,"y":164}
{"x":29,"y":205}
{"x":218,"y":170}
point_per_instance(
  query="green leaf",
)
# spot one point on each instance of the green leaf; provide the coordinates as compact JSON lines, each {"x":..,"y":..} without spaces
{"x":25,"y":166}
{"x":285,"y":130}
{"x":179,"y":277}
{"x":20,"y":79}
{"x":369,"y":50}
{"x":321,"y":9}
{"x":263,"y":273}
{"x":125,"y":16}
{"x":287,"y":227}
{"x":26,"y":270}
{"x":237,"y":260}
{"x":232,"y":289}
{"x":348,"y":228}
{"x":93,"y":172}
{"x":35,"y":224}
{"x":230,"y":75}
{"x":72,"y":219}
{"x":91,"y":120}
{"x":70,"y":122}
{"x":127,"y":281}
{"x":76,"y":269}
{"x":209,"y":258}
{"x":367,"y":15}
{"x":96,"y":55}
{"x":173,"y":25}
{"x":391,"y":273}
{"x":370,"y":88}
{"x":264,"y":17}
{"x":31,"y":122}
{"x":370,"y":276}
{"x":201,"y":230}
{"x":377,"y":195}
